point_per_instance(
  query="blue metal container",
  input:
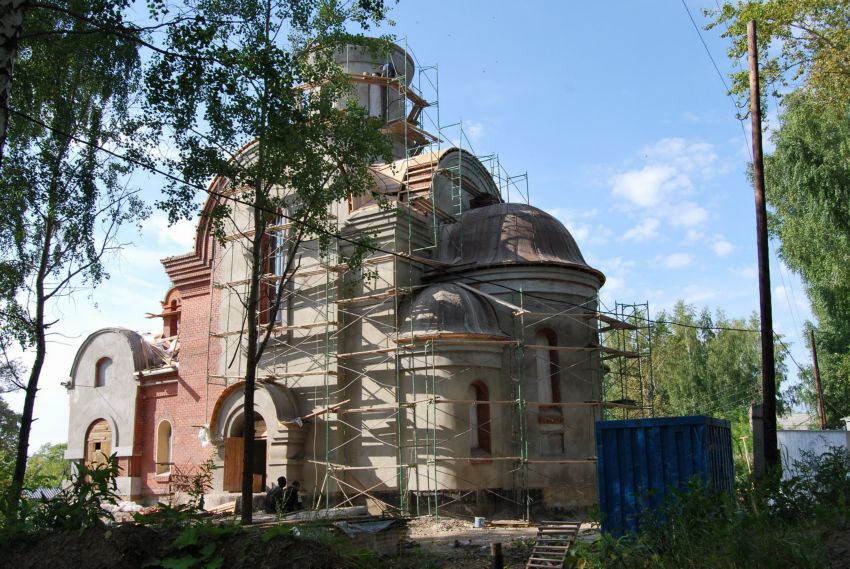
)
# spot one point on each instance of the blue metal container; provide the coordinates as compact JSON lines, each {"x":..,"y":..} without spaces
{"x":639,"y":461}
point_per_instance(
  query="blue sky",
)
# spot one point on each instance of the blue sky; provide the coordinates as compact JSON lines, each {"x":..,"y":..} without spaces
{"x":615,"y":112}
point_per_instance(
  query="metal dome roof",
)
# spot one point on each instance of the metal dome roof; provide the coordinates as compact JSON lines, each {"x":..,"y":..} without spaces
{"x":449,"y":310}
{"x":511,"y":234}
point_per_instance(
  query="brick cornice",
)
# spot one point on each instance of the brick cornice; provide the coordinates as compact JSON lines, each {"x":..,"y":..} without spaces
{"x":191,"y":272}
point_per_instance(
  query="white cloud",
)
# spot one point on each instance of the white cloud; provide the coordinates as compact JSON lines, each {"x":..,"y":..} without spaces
{"x":746,"y":271}
{"x":687,"y":214}
{"x":466,"y":133}
{"x":648,"y":186}
{"x":721,"y":246}
{"x":646,"y":229}
{"x":617,"y":264}
{"x":663,"y":188}
{"x":182,"y":233}
{"x":576,"y":222}
{"x":684,"y":155}
{"x":614,"y":284}
{"x":694,"y":235}
{"x":677,"y":260}
{"x":694,"y":294}
{"x":581,"y":232}
{"x":474,"y":131}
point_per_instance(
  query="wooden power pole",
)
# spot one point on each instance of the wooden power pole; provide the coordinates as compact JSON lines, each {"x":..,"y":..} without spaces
{"x":821,"y":416}
{"x":768,"y":367}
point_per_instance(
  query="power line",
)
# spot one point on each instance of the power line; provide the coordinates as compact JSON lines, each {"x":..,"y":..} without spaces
{"x":719,"y":73}
{"x":318,"y":229}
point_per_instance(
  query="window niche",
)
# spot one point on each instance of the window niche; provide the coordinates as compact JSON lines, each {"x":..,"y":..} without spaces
{"x":479,"y":418}
{"x":276,"y":257}
{"x":102,"y":372}
{"x":163,"y":448}
{"x":548,"y":378}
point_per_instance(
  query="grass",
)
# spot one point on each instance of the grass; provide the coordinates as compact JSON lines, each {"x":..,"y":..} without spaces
{"x":767,"y":523}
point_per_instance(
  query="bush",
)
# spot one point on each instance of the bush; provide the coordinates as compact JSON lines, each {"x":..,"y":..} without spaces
{"x":767,"y":523}
{"x":80,"y":505}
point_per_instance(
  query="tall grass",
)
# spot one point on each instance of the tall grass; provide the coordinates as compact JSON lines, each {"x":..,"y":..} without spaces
{"x":767,"y":523}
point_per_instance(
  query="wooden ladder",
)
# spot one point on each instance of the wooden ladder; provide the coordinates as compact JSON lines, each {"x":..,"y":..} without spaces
{"x":554,"y":539}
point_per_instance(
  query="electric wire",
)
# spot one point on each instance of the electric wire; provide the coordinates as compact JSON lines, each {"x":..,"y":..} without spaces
{"x":720,"y":75}
{"x":321,"y":230}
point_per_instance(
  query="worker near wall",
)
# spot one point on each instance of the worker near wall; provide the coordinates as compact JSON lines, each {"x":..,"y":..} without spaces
{"x":274,"y":497}
{"x":290,"y":499}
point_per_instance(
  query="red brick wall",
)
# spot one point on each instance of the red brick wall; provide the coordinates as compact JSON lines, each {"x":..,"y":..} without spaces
{"x":185,"y":403}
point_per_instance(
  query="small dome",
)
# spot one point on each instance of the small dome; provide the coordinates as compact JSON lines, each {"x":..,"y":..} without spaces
{"x":448,"y":310}
{"x":511,"y":233}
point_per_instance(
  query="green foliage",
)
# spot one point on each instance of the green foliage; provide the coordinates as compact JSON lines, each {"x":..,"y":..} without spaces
{"x":767,"y":523}
{"x":819,"y":488}
{"x":9,"y":426}
{"x":77,"y":507}
{"x":277,"y":531}
{"x":701,"y":364}
{"x":808,"y":189}
{"x":198,"y":484}
{"x":236,"y":82}
{"x":799,"y":40}
{"x":806,"y":43}
{"x":197,"y":546}
{"x":251,"y":92}
{"x":47,"y":468}
{"x":81,"y":505}
{"x":178,"y":515}
{"x":72,"y":87}
{"x":63,"y":201}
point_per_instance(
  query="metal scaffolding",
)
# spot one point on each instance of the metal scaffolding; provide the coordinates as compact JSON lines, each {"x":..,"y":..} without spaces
{"x":327,"y":358}
{"x":628,"y":368}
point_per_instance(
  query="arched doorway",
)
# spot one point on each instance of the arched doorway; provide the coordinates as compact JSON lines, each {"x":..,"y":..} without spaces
{"x":98,"y":443}
{"x":234,"y":447}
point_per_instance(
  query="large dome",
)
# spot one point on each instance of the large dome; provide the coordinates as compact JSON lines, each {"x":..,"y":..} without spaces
{"x":449,"y":310}
{"x":511,"y":234}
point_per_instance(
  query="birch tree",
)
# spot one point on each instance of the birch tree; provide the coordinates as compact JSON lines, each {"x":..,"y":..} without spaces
{"x":63,"y":199}
{"x":231,"y":76}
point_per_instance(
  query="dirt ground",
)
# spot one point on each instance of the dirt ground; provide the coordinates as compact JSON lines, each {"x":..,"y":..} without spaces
{"x":456,"y":544}
{"x":837,"y":548}
{"x":433,"y":544}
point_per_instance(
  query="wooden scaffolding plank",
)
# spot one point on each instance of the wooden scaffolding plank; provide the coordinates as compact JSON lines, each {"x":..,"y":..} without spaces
{"x":277,"y":329}
{"x":615,"y":353}
{"x":369,"y":352}
{"x":591,"y":348}
{"x":376,"y":296}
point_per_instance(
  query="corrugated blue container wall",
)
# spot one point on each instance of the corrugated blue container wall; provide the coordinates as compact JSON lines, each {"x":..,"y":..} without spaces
{"x":639,"y":461}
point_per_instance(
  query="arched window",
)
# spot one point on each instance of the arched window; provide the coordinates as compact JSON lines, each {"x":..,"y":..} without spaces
{"x":548,"y":368}
{"x":172,"y":319}
{"x":101,"y":372}
{"x":479,"y":417}
{"x":277,"y":249}
{"x":163,"y":448}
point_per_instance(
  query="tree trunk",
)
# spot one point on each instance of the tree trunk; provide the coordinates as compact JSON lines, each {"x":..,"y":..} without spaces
{"x":252,"y":357}
{"x":11,"y":23}
{"x":35,"y":374}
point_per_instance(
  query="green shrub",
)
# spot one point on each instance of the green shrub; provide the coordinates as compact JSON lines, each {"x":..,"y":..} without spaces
{"x":80,"y":505}
{"x":767,"y":523}
{"x":197,"y":547}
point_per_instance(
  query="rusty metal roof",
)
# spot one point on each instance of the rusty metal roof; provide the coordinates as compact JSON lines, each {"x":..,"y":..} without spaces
{"x":511,"y":234}
{"x":444,"y":310}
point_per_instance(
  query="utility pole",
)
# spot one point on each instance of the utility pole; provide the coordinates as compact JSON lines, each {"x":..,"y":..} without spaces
{"x":768,"y":367}
{"x":821,"y":415}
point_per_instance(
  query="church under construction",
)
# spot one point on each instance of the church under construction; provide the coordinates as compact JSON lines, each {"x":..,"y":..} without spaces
{"x":460,"y":367}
